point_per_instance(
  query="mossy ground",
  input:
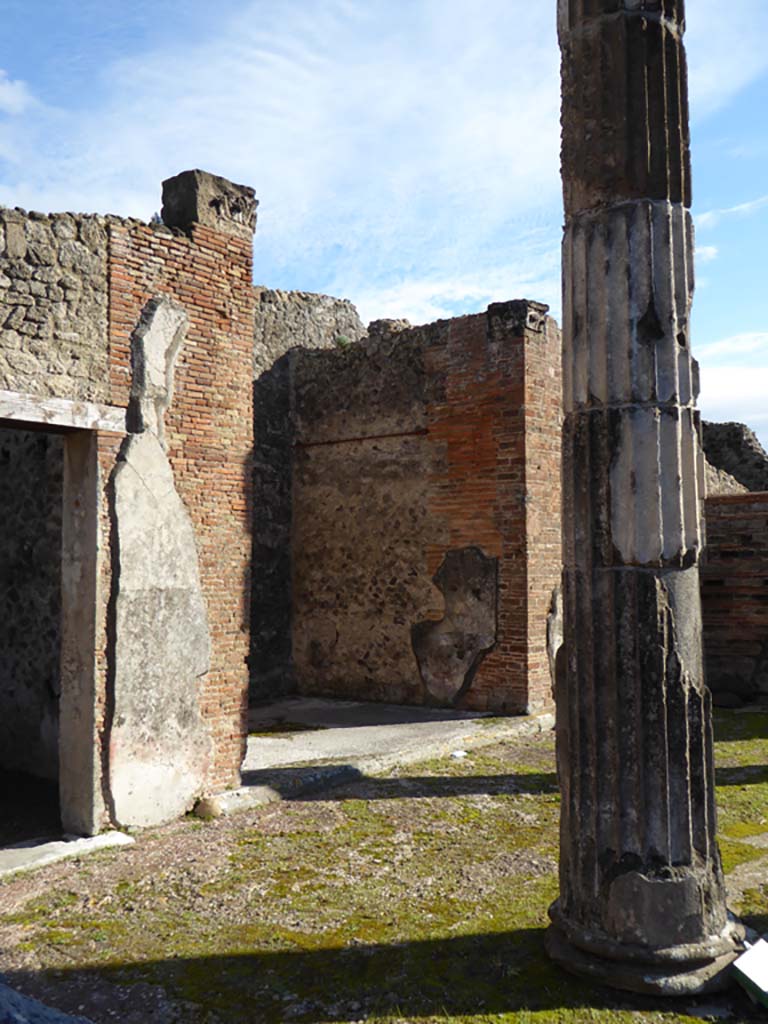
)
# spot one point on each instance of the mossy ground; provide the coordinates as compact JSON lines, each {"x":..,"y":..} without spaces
{"x":418,"y":897}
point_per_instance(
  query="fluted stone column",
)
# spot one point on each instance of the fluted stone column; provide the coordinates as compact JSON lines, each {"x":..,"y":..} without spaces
{"x":642,"y":901}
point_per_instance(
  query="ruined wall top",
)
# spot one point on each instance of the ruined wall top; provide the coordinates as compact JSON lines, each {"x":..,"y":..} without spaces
{"x":197,"y":197}
{"x":735,"y":450}
{"x":286,"y":319}
{"x":625,"y":133}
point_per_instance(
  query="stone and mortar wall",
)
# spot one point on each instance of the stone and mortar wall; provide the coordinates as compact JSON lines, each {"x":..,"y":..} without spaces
{"x":53,"y":282}
{"x":282,"y":321}
{"x":735,"y":597}
{"x":425,"y":461}
{"x":31,"y":465}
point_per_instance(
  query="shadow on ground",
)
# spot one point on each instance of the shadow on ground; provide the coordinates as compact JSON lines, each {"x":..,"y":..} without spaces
{"x":742,"y":775}
{"x":459,"y":977}
{"x":310,"y":783}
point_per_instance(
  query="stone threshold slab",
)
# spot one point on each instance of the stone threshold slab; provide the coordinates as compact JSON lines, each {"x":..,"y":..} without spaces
{"x":38,"y":853}
{"x":275,"y":776}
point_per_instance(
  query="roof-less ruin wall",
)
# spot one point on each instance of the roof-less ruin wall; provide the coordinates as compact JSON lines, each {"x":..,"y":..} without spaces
{"x":426,"y":512}
{"x":735,"y":449}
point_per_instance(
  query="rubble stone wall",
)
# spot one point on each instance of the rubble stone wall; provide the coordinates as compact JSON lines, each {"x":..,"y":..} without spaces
{"x":53,"y":282}
{"x":735,"y":449}
{"x":31,"y":465}
{"x":421,"y":457}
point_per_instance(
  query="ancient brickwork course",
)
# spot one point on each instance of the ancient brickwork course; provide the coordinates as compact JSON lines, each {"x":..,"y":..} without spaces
{"x":208,"y":431}
{"x":426,"y":460}
{"x":735,"y":599}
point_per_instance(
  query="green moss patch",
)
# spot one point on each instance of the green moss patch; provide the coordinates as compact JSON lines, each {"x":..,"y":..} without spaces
{"x":416,"y":898}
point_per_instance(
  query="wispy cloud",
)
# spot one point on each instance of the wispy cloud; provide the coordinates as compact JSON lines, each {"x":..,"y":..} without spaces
{"x":730,"y":394}
{"x":15,"y":96}
{"x":734,"y":380}
{"x":709,"y":218}
{"x":748,"y":343}
{"x":725,"y":60}
{"x":436,"y":297}
{"x":706,"y":253}
{"x":383,"y":148}
{"x":402,"y":152}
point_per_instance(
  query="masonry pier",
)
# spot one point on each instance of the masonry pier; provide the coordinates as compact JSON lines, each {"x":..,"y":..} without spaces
{"x":642,"y":899}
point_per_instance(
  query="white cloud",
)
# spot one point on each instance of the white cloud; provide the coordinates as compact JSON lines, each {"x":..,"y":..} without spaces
{"x":706,"y":253}
{"x":422,"y":300}
{"x":710,"y":218}
{"x":15,"y":97}
{"x":748,"y":343}
{"x":419,"y":143}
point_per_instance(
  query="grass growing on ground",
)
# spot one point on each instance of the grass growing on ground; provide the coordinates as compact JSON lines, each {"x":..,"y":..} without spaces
{"x":418,"y":897}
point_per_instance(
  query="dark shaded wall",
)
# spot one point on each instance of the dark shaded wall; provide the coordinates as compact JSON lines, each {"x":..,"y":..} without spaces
{"x":282,"y":321}
{"x":735,"y":598}
{"x":31,"y":471}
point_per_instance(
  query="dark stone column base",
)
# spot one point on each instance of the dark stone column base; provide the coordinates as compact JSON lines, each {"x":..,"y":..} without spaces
{"x":671,"y":977}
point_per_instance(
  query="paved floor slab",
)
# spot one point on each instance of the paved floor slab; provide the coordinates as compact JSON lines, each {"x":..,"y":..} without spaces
{"x":36,"y":853}
{"x":369,"y":737}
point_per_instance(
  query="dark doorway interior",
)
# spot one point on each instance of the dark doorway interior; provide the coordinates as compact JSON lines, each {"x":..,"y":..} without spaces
{"x":31,"y":501}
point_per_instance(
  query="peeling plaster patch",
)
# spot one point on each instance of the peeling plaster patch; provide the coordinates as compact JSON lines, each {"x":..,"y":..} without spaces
{"x":450,"y":651}
{"x":154,"y":347}
{"x":159,"y":744}
{"x":555,"y":634}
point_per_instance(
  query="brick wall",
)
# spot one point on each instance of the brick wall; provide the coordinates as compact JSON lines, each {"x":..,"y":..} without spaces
{"x":410,"y":446}
{"x":543,"y":423}
{"x":209,"y":432}
{"x":735,"y":596}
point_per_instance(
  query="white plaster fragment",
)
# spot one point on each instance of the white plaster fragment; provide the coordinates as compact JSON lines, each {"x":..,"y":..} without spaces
{"x":156,"y":345}
{"x":160,"y":746}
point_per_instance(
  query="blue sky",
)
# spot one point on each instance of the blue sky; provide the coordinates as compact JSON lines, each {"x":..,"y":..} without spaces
{"x":405,"y":152}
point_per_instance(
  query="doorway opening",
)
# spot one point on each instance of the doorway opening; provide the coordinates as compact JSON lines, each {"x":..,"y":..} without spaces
{"x":31,"y":505}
